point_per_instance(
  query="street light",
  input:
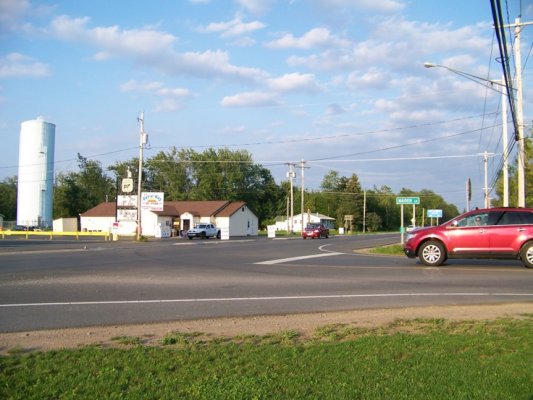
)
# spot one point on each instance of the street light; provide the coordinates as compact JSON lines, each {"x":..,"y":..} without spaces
{"x":474,"y":78}
{"x":143,"y":138}
{"x":519,"y":128}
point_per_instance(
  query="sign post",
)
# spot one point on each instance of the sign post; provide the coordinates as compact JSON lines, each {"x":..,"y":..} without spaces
{"x":409,"y":201}
{"x":434,"y":214}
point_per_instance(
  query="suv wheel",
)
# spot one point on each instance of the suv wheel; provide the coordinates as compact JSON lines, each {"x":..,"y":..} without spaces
{"x":432,"y":253}
{"x":526,"y":254}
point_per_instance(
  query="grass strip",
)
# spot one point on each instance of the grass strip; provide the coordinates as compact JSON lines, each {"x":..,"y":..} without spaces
{"x":415,"y":359}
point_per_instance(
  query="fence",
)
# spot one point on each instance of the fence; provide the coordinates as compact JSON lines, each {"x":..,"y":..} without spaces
{"x":51,"y":234}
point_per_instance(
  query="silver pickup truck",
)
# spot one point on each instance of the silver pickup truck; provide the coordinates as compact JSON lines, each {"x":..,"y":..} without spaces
{"x":204,"y":231}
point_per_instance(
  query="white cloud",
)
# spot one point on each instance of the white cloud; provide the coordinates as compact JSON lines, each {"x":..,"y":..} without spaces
{"x":383,"y":6}
{"x":425,"y":37}
{"x":255,"y":6}
{"x":213,"y":64}
{"x":235,"y":27}
{"x":233,"y":130}
{"x":396,"y":44}
{"x":154,"y":49}
{"x":294,"y":82}
{"x":11,"y":11}
{"x":155,"y":88}
{"x":316,"y":37}
{"x":168,"y":105}
{"x":250,"y":99}
{"x":18,"y":65}
{"x":373,"y":78}
{"x":168,"y":99}
{"x":334,"y":109}
{"x":112,"y":40}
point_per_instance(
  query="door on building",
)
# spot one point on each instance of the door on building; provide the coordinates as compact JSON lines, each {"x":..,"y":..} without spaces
{"x":186,"y":225}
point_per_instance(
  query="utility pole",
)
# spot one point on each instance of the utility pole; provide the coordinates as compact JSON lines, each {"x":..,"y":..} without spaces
{"x":505,"y":150}
{"x":291,"y":175}
{"x":519,"y":135}
{"x":302,"y":166}
{"x":486,"y":188}
{"x":142,"y":141}
{"x":520,"y":117}
{"x":517,"y":102}
{"x":364,"y":211}
{"x":468,"y":193}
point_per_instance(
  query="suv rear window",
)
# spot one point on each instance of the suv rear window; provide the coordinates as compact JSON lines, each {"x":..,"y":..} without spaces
{"x":512,"y":218}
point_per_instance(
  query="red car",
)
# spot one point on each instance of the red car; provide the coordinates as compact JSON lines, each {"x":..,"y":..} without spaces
{"x":315,"y":231}
{"x":496,"y":233}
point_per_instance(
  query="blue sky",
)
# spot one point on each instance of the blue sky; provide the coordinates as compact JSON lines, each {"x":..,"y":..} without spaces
{"x":338,"y":83}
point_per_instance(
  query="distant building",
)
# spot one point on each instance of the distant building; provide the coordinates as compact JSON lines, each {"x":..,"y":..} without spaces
{"x":36,"y":173}
{"x":176,"y":216}
{"x":283,"y":223}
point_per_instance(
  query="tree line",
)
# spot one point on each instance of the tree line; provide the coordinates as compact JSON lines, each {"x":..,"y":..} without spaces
{"x":223,"y":174}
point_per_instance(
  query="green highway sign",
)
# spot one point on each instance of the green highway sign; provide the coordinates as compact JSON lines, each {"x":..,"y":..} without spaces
{"x":407,"y":200}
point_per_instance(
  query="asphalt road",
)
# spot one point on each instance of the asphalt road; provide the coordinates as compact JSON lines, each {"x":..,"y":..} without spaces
{"x":55,"y":284}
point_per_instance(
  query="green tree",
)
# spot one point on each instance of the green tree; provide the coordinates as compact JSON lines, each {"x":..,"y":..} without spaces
{"x":382,"y":201}
{"x":344,"y":196}
{"x":168,"y":173}
{"x":331,"y":186}
{"x":210,"y":175}
{"x":373,"y":222}
{"x":76,"y":192}
{"x":68,"y":196}
{"x":262,"y":194}
{"x":123,"y":169}
{"x":8,"y":198}
{"x":93,"y":180}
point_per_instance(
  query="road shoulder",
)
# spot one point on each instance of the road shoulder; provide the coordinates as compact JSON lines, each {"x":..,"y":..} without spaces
{"x":305,"y":324}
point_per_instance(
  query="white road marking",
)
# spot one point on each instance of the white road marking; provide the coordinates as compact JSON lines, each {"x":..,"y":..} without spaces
{"x":283,"y":260}
{"x":267,"y":298}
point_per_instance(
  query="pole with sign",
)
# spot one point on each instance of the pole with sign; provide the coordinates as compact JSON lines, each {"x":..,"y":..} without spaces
{"x":409,"y":201}
{"x":434,"y":214}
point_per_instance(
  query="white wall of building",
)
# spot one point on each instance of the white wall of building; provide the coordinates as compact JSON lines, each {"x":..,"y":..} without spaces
{"x":152,"y":223}
{"x":241,"y":223}
{"x":65,"y":225}
{"x":97,"y":224}
{"x":308,"y":218}
{"x":36,"y":173}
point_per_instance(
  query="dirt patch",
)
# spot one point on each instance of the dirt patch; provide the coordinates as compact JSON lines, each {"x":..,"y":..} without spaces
{"x":305,"y":324}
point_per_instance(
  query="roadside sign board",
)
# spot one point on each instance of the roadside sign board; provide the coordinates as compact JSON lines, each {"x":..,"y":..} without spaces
{"x":434,"y":213}
{"x":127,"y":201}
{"x":152,"y":201}
{"x":407,"y":200}
{"x":127,"y":185}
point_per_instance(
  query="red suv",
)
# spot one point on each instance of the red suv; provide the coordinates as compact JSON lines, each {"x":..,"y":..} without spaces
{"x":505,"y":233}
{"x":315,"y":231}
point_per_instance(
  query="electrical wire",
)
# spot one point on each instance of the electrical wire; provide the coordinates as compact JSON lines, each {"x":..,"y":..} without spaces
{"x":499,"y":27}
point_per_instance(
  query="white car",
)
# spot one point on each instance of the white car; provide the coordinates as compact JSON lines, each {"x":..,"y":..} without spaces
{"x":204,"y":231}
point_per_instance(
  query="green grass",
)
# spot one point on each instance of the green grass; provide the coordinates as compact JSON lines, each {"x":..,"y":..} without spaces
{"x":416,"y":359}
{"x":393,"y":250}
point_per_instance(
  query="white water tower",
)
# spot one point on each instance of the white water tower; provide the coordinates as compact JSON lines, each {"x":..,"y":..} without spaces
{"x":36,"y":173}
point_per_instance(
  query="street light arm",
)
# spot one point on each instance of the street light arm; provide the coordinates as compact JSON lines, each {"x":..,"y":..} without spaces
{"x":474,"y":78}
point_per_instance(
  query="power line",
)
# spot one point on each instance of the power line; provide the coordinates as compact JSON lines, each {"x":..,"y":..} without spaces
{"x":312,"y":139}
{"x":405,"y":145}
